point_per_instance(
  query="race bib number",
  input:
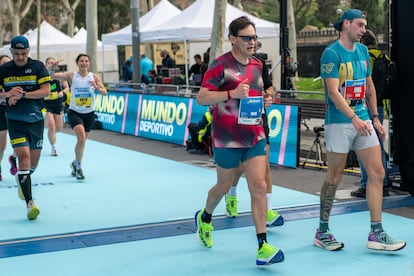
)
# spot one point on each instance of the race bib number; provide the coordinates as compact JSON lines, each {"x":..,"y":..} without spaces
{"x":53,"y":96}
{"x":83,"y":101}
{"x":250,"y":110}
{"x":355,"y":89}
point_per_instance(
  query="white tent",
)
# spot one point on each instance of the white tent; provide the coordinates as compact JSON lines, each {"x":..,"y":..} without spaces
{"x":50,"y":38}
{"x":54,"y":43}
{"x":82,"y":35}
{"x":160,"y":13}
{"x":195,"y":24}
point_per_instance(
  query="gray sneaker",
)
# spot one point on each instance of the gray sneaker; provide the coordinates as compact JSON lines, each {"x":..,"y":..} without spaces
{"x":382,"y":241}
{"x":327,"y":241}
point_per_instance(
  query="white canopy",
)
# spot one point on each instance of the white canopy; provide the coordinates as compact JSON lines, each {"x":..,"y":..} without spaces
{"x":160,"y":13}
{"x":195,"y":24}
{"x":81,"y":36}
{"x":64,"y":48}
{"x":50,"y":39}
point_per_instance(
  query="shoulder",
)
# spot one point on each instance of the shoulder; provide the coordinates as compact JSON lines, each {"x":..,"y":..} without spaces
{"x":256,"y":61}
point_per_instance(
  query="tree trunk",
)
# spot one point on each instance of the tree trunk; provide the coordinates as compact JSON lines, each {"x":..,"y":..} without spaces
{"x":292,"y":31}
{"x":17,"y":15}
{"x":70,"y":9}
{"x":3,"y":18}
{"x":92,"y":36}
{"x":218,"y":29}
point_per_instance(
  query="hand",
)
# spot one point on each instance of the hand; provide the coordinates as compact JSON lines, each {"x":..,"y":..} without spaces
{"x":12,"y":100}
{"x":362,"y":127}
{"x":242,"y":90}
{"x":16,"y":91}
{"x":380,"y":129}
{"x":94,"y":84}
{"x":268,"y":100}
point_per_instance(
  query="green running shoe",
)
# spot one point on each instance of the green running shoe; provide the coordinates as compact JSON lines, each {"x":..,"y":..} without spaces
{"x":231,"y":206}
{"x":268,"y":255}
{"x":204,"y":230}
{"x":274,"y":219}
{"x":32,"y":210}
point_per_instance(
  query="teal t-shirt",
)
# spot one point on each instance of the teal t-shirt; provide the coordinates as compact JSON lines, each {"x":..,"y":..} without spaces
{"x":351,"y":68}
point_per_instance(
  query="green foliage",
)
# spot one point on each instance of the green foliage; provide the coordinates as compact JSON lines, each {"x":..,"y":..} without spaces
{"x":269,"y":10}
{"x":308,"y":84}
{"x":326,"y":12}
{"x":375,"y":13}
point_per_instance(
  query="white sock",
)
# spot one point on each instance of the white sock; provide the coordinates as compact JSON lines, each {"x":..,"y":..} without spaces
{"x":269,"y":201}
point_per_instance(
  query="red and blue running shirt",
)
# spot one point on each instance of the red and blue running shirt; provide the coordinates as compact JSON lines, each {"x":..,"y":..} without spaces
{"x":226,"y":73}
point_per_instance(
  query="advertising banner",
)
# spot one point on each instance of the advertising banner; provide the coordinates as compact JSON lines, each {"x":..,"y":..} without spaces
{"x":165,"y":118}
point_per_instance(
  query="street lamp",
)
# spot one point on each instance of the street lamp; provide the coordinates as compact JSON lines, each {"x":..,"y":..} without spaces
{"x":339,"y":13}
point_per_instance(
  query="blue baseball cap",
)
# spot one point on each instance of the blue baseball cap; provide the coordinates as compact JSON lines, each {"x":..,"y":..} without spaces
{"x":349,"y":15}
{"x":19,"y":42}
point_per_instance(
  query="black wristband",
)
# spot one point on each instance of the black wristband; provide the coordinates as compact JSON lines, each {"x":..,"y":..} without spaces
{"x":375,"y":116}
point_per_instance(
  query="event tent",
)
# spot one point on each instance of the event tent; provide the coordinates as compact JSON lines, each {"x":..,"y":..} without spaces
{"x":161,"y":12}
{"x":50,"y":38}
{"x":54,"y":43}
{"x":195,"y":23}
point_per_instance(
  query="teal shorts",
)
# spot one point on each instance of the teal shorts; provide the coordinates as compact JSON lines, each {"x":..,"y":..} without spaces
{"x":229,"y":158}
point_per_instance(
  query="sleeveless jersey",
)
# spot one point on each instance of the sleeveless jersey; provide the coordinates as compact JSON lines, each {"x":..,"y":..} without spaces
{"x":82,"y":98}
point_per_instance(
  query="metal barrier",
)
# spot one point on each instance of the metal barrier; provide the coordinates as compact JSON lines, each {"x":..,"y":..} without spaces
{"x":189,"y":90}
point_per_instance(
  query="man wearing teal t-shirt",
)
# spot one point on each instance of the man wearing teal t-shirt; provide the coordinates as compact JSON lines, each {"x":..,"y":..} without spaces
{"x":350,"y":93}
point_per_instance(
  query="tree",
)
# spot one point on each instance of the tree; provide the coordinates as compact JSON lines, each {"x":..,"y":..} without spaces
{"x":326,"y":12}
{"x":375,"y":13}
{"x":70,"y":10}
{"x":3,"y":19}
{"x":217,"y":32}
{"x":18,"y":11}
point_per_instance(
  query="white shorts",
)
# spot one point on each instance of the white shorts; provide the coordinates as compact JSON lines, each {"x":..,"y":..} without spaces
{"x":341,"y":138}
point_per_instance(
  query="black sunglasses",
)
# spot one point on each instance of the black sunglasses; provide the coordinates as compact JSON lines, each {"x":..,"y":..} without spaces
{"x":247,"y":38}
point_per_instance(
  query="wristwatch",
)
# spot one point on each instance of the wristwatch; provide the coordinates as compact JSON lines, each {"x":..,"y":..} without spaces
{"x":375,"y":116}
{"x":23,"y":94}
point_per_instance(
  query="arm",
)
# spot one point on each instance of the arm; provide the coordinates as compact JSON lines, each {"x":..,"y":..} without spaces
{"x":65,"y":86}
{"x":209,"y":97}
{"x":341,"y":104}
{"x":268,"y":96}
{"x":99,"y":86}
{"x":62,"y":76}
{"x":371,"y":98}
{"x":17,"y":93}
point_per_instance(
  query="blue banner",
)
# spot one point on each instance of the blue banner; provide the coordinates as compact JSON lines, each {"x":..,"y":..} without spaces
{"x":163,"y":118}
{"x":166,"y":118}
{"x":283,"y":134}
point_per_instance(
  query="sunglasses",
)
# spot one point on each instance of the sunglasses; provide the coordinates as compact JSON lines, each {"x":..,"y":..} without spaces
{"x":247,"y":38}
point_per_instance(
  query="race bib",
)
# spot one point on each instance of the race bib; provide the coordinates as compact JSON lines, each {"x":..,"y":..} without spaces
{"x":250,"y":110}
{"x":83,"y":100}
{"x":355,"y":89}
{"x":52,"y":96}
